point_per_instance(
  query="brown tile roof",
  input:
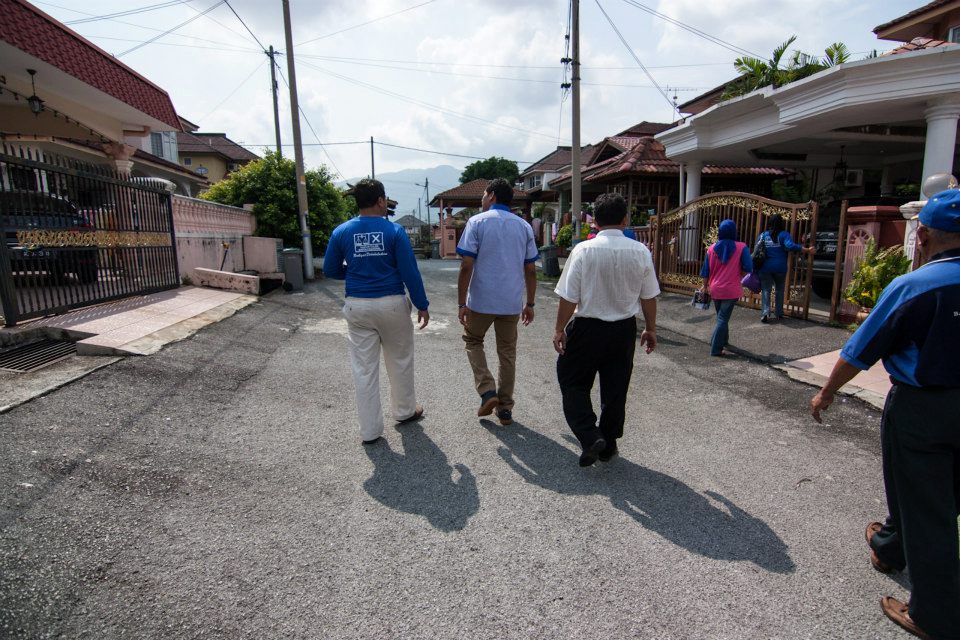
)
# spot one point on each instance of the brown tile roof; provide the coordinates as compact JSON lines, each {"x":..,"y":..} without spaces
{"x":644,"y":129}
{"x":470,"y":192}
{"x":916,"y":12}
{"x":648,"y":157}
{"x":27,"y":28}
{"x":217,"y":143}
{"x":919,"y":43}
{"x":553,"y":161}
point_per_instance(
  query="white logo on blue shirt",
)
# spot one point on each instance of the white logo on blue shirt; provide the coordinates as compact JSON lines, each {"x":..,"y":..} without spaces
{"x":364,"y":243}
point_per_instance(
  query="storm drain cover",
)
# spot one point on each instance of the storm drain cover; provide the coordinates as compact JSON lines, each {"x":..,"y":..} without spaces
{"x":33,"y":356}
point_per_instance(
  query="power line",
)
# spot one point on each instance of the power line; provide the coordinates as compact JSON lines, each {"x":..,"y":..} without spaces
{"x":673,"y":107}
{"x":230,"y":6}
{"x":362,"y":24}
{"x":172,"y":29}
{"x":129,"y":12}
{"x":176,"y":44}
{"x":427,"y":105}
{"x":504,"y":66}
{"x":312,"y":130}
{"x":230,"y":95}
{"x":697,"y":32}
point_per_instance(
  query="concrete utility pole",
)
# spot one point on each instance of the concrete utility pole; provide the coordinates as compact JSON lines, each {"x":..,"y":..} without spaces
{"x":276,"y":99}
{"x":373,"y":170}
{"x":426,"y":186}
{"x":575,"y":204}
{"x":298,"y":148}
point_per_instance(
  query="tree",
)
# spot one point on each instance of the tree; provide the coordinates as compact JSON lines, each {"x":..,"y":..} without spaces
{"x":270,"y":185}
{"x":755,"y":73}
{"x":492,"y":167}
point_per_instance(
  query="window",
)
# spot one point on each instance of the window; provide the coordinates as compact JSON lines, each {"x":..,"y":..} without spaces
{"x":953,"y":35}
{"x":156,"y":144}
{"x":187,"y":162}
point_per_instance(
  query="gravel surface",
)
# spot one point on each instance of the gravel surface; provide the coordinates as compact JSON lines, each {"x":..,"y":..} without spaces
{"x":218,"y":489}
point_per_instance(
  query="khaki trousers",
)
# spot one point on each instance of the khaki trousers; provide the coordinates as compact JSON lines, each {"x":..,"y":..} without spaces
{"x":372,"y":323}
{"x":505,"y":329}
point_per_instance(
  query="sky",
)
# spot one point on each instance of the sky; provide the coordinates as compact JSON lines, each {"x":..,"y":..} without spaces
{"x":464,"y":77}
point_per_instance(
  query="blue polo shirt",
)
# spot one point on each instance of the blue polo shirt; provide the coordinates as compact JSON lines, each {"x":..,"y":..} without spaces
{"x":374,"y":256}
{"x":501,"y":243}
{"x":915,"y":327}
{"x":776,"y":261}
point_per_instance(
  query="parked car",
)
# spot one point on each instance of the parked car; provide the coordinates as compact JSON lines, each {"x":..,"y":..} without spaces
{"x":828,"y":240}
{"x":34,"y":210}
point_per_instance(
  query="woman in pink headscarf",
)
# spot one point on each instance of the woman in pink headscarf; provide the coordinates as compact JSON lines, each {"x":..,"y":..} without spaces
{"x":726,"y":261}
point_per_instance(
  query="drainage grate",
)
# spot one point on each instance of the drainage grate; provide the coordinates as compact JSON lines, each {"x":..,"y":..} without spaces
{"x":33,"y":356}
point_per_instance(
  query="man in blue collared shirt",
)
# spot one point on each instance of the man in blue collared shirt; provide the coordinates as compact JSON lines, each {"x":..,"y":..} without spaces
{"x":499,"y":266}
{"x":915,"y":329}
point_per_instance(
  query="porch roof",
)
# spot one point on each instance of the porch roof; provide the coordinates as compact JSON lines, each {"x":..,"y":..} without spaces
{"x":874,"y":107}
{"x":469,"y":194}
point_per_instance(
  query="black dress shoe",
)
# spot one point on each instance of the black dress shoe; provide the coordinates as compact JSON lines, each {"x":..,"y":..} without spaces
{"x":590,"y":454}
{"x":608,"y":453}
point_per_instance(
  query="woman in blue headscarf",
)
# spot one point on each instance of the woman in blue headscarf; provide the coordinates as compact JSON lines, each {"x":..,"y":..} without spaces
{"x":726,"y":261}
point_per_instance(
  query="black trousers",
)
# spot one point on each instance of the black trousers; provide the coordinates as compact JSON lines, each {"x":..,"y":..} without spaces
{"x":597,"y":347}
{"x":920,"y":441}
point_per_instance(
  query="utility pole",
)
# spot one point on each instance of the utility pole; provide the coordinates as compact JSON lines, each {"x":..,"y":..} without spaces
{"x":575,"y":205}
{"x":419,"y":211}
{"x":373,"y":171}
{"x":276,"y":100}
{"x":426,"y":187}
{"x":298,"y":148}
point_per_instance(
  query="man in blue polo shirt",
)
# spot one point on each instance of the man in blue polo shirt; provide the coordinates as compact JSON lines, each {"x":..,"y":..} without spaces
{"x":375,"y":258}
{"x":497,"y":286}
{"x":915,"y":329}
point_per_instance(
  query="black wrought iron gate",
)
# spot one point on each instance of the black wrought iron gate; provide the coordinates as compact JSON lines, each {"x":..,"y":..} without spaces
{"x":77,"y":234}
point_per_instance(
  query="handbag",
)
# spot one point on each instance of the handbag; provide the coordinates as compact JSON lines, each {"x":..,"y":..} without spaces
{"x":759,"y":255}
{"x":751,"y":281}
{"x":701,"y":300}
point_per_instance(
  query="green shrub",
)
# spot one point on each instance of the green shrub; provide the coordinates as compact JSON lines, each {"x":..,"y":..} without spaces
{"x":565,"y":236}
{"x":874,"y":271}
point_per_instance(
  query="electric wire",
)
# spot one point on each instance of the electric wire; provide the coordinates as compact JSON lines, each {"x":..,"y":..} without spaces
{"x":230,"y":6}
{"x":673,"y":107}
{"x":175,"y":44}
{"x":503,"y":66}
{"x":362,"y":24}
{"x":697,"y":32}
{"x":312,"y":130}
{"x":128,"y":12}
{"x":230,"y":95}
{"x":171,"y":30}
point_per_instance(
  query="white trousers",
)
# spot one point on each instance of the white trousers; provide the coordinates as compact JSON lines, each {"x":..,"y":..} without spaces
{"x":372,"y":322}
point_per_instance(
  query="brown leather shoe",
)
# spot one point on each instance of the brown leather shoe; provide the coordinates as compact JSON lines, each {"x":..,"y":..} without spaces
{"x":900,"y":613}
{"x":872,"y":529}
{"x":488,"y":402}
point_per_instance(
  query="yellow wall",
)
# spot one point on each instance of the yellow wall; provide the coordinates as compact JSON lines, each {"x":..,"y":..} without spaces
{"x":215,"y":165}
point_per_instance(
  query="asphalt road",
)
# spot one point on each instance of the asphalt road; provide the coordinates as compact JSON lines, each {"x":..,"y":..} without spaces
{"x":218,"y":489}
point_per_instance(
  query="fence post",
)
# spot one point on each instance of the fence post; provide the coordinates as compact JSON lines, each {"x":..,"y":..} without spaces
{"x":838,"y":261}
{"x":808,"y":284}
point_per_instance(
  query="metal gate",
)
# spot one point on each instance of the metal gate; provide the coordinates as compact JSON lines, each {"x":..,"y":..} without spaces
{"x":77,"y":234}
{"x":683,"y":235}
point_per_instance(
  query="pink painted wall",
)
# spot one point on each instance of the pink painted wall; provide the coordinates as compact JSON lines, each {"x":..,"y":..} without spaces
{"x":206,"y":231}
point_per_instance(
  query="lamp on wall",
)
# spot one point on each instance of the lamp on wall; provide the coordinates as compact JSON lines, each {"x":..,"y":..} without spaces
{"x":840,"y":169}
{"x":36,"y":104}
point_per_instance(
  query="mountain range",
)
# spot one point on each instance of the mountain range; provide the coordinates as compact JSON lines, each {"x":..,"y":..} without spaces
{"x":406,"y":187}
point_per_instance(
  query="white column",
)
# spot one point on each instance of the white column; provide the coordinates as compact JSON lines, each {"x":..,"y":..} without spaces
{"x":694,"y":168}
{"x":682,"y":199}
{"x":941,"y":138}
{"x":689,"y":243}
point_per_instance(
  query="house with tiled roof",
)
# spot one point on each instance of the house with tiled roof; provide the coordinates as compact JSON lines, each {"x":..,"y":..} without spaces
{"x":211,"y":155}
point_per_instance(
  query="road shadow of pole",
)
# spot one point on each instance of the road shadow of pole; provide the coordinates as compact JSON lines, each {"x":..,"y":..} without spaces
{"x":707,"y":524}
{"x":420,"y":481}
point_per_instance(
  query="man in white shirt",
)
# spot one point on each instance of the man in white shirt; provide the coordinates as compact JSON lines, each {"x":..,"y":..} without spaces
{"x":606,"y":283}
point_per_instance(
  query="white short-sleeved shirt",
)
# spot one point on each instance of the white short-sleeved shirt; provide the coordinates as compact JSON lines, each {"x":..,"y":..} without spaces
{"x":501,"y":243}
{"x":608,"y":276}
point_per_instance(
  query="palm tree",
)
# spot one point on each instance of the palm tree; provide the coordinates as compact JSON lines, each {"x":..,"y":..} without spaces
{"x":755,"y":73}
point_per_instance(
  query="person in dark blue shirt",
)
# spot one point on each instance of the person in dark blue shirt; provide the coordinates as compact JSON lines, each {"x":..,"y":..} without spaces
{"x":773,"y":272}
{"x":376,"y":259}
{"x":915,"y":330}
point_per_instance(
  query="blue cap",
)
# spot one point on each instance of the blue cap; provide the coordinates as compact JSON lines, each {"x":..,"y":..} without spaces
{"x":942,"y":211}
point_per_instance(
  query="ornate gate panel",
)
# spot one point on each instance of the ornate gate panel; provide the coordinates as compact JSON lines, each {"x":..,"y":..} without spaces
{"x":76,"y":234}
{"x":683,"y":235}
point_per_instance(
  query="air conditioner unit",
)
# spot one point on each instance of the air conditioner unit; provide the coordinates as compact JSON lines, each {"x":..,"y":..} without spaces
{"x":854,"y":178}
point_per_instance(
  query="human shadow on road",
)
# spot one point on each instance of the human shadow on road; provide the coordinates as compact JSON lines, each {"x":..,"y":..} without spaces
{"x":420,"y":481}
{"x":707,"y":524}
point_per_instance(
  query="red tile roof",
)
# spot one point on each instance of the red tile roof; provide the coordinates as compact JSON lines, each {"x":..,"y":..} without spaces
{"x":648,"y":157}
{"x":470,"y":192}
{"x":916,"y":12}
{"x":27,"y":28}
{"x":919,"y":43}
{"x":217,"y":143}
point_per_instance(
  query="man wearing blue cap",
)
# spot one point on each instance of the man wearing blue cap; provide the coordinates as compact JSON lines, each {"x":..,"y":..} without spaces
{"x":915,"y":329}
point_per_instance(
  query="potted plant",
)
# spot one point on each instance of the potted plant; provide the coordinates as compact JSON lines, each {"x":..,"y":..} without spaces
{"x":874,"y":271}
